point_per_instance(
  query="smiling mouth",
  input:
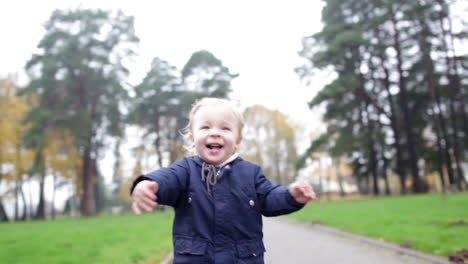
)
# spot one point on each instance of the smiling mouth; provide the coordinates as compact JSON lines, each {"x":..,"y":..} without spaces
{"x":214,"y":146}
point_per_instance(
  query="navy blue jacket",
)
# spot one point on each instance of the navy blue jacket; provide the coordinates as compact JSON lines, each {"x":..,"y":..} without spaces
{"x":226,"y":225}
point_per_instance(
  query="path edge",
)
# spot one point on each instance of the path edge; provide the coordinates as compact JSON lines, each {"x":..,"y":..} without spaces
{"x":169,"y":258}
{"x":375,"y":242}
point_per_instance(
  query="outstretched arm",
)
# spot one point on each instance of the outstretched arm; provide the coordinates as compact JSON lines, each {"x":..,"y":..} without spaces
{"x":302,"y":191}
{"x":162,"y":186}
{"x":278,"y":200}
{"x":144,"y":196}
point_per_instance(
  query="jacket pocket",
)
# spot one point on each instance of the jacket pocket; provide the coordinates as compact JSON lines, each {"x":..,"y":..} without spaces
{"x":246,"y":195}
{"x":251,"y":248}
{"x":189,"y":246}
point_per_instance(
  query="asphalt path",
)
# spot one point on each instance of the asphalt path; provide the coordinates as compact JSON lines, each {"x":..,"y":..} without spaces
{"x":289,"y":241}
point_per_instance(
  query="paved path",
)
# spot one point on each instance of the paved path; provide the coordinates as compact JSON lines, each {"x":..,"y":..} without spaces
{"x":288,"y":241}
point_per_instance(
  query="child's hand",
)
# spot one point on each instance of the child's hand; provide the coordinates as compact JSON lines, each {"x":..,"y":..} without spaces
{"x":144,"y":196}
{"x":302,"y":191}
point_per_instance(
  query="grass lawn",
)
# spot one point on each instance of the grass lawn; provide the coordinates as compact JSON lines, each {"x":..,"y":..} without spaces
{"x":103,"y":239}
{"x":434,"y":223}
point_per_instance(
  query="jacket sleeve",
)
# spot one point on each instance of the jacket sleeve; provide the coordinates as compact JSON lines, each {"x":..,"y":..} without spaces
{"x":172,"y":182}
{"x":274,"y":199}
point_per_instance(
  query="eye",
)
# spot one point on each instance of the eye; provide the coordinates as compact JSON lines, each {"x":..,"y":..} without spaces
{"x":227,"y":128}
{"x":204,"y":127}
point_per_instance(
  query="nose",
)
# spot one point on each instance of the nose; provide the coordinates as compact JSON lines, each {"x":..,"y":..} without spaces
{"x":214,"y":132}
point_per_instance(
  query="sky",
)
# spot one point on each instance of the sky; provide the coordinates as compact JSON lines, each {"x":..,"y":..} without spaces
{"x":259,"y":40}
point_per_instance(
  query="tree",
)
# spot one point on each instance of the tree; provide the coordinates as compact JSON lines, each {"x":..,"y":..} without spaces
{"x":206,"y":74}
{"x":390,"y":58}
{"x":158,"y":106}
{"x":165,"y":96}
{"x":455,"y":90}
{"x":62,"y":160}
{"x":270,"y":141}
{"x":78,"y":77}
{"x":14,"y":158}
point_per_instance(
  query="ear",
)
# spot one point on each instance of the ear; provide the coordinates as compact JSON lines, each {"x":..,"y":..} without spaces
{"x":239,"y":140}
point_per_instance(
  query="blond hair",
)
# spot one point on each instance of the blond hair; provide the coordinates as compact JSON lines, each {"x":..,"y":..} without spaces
{"x":209,"y":101}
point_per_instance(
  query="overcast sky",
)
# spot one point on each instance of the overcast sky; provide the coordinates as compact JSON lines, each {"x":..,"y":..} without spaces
{"x":258,"y":39}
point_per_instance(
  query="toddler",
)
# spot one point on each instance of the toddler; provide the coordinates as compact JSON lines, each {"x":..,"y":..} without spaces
{"x":218,"y":197}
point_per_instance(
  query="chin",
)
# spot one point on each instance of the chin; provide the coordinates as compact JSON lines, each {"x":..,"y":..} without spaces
{"x":214,"y":161}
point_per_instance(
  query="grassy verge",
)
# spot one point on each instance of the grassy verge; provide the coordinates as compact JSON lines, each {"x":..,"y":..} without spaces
{"x":434,"y":223}
{"x":103,"y":239}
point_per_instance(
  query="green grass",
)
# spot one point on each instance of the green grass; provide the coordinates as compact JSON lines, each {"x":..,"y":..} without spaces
{"x":103,"y":239}
{"x":428,"y":221}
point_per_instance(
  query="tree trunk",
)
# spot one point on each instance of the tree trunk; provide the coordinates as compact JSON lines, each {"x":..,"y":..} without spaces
{"x":373,"y":159}
{"x":24,"y":217}
{"x":99,"y":193}
{"x":54,"y":184}
{"x":321,"y":174}
{"x":418,"y":185}
{"x":40,"y":211}
{"x":362,"y":106}
{"x":440,"y":150}
{"x":385,"y":175}
{"x":436,"y":114}
{"x":385,"y":163}
{"x":339,"y":177}
{"x":16,"y":215}
{"x":394,"y":121}
{"x":370,"y":139}
{"x":456,"y":142}
{"x":448,"y":143}
{"x":90,"y":113}
{"x":3,"y":214}
{"x":454,"y":88}
{"x":279,"y":179}
{"x":157,"y":141}
{"x":117,"y":164}
{"x":30,"y":211}
{"x":18,"y":180}
{"x":88,"y":204}
{"x":455,"y":64}
{"x":16,"y":202}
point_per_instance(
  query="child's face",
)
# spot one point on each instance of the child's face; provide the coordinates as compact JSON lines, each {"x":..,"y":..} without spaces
{"x":215,"y":133}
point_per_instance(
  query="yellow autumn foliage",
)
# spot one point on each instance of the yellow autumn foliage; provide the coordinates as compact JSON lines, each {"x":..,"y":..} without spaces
{"x":60,"y":153}
{"x":14,"y":158}
{"x":270,"y":140}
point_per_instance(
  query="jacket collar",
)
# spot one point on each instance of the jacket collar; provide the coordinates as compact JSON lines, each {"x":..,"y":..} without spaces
{"x":199,"y":161}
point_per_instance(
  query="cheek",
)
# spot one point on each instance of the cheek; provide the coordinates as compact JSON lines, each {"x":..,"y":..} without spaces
{"x":198,"y":138}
